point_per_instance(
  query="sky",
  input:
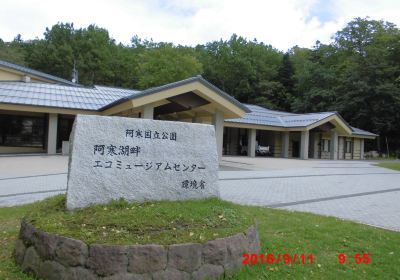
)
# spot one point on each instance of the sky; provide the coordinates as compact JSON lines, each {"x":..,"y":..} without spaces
{"x":280,"y":23}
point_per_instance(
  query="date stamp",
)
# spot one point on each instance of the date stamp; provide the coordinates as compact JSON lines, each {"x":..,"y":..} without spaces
{"x":270,"y":258}
{"x":356,"y":258}
{"x":291,"y":259}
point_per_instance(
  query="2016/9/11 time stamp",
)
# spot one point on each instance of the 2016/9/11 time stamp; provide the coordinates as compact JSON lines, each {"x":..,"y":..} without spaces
{"x":290,"y":259}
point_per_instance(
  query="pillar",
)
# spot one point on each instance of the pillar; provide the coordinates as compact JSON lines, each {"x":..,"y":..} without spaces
{"x":251,"y":143}
{"x":334,"y":145}
{"x":305,"y":135}
{"x":361,"y":148}
{"x":52,"y":134}
{"x":285,"y":144}
{"x":218,"y":122}
{"x":148,"y":112}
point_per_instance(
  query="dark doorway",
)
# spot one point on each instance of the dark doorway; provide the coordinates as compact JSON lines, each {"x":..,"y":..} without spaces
{"x":296,"y":149}
{"x":65,"y":123}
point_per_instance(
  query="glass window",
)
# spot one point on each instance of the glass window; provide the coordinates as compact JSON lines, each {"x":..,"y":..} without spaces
{"x":348,"y":146}
{"x":22,"y":131}
{"x":326,"y":145}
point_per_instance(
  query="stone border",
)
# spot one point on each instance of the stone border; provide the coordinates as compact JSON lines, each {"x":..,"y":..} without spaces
{"x":50,"y":256}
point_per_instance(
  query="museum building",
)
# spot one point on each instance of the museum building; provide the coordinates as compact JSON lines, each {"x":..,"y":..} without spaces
{"x":37,"y":111}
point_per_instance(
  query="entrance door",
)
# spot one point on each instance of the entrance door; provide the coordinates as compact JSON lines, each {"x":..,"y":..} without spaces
{"x":64,"y":129}
{"x":296,"y":149}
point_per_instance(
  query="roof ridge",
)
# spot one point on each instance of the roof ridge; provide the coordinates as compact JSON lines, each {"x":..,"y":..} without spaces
{"x":113,"y":87}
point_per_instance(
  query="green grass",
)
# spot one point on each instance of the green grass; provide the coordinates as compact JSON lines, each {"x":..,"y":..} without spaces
{"x":160,"y":222}
{"x":382,"y":158}
{"x":390,"y":165}
{"x":280,"y":232}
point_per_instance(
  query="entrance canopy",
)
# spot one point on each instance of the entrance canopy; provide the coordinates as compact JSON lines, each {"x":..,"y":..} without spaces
{"x":265,"y":119}
{"x":184,"y":99}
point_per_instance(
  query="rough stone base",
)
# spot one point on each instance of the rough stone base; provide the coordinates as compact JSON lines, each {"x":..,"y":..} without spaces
{"x":49,"y":256}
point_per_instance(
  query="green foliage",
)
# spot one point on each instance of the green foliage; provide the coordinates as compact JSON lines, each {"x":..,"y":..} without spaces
{"x":12,"y":52}
{"x":165,"y":63}
{"x":239,"y":66}
{"x":357,"y":75}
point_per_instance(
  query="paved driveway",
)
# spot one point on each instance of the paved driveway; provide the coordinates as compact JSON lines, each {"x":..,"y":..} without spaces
{"x":353,"y":190}
{"x":25,"y":179}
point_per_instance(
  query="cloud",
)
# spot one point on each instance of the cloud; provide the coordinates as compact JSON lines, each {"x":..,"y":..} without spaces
{"x":282,"y":23}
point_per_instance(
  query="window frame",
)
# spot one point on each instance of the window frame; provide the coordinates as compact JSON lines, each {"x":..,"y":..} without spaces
{"x":36,"y":137}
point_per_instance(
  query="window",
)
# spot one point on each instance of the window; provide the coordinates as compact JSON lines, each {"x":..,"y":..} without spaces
{"x":349,"y":146}
{"x":326,"y":145}
{"x":22,"y":131}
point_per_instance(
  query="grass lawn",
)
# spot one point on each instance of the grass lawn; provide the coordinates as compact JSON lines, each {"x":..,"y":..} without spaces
{"x":390,"y":165}
{"x":281,"y":232}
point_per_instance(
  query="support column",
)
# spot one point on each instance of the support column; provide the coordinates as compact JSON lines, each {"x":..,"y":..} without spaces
{"x":52,"y":134}
{"x":305,"y":135}
{"x":285,"y":144}
{"x":361,"y":148}
{"x":251,"y":143}
{"x":218,"y":121}
{"x":334,"y":145}
{"x":148,"y":112}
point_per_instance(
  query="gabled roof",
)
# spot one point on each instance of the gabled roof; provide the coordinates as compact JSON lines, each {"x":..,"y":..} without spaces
{"x":267,"y":117}
{"x":358,"y":131}
{"x":29,"y":71}
{"x":97,"y":98}
{"x":263,"y":116}
{"x":198,"y":78}
{"x":60,"y":96}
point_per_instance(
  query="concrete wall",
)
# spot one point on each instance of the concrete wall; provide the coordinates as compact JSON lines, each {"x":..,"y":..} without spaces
{"x":8,"y":76}
{"x":12,"y":76}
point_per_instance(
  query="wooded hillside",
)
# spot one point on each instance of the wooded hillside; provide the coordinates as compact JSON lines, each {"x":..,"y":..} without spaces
{"x":358,"y":74}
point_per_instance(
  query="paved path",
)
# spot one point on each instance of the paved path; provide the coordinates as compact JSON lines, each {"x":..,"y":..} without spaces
{"x":25,"y":179}
{"x":356,"y":191}
{"x":353,"y":190}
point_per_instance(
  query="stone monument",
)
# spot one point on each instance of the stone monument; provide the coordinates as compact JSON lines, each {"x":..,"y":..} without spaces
{"x":140,"y":159}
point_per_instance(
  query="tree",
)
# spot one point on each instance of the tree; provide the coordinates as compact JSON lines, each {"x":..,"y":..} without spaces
{"x":286,"y":73}
{"x":13,"y":51}
{"x":166,"y":63}
{"x":238,"y":66}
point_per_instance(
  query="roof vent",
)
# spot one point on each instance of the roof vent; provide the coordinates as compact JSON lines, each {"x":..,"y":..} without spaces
{"x":75,"y":74}
{"x":26,"y":79}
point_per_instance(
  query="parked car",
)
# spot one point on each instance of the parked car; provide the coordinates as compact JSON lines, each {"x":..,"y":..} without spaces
{"x":263,"y":150}
{"x":260,"y":150}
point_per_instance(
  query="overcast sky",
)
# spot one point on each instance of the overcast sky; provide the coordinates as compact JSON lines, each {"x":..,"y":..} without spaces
{"x":281,"y":23}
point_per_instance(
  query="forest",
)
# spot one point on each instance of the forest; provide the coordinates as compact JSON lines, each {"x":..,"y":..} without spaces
{"x":357,"y":74}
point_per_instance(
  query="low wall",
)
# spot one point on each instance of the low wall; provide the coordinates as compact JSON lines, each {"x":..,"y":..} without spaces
{"x":51,"y":256}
